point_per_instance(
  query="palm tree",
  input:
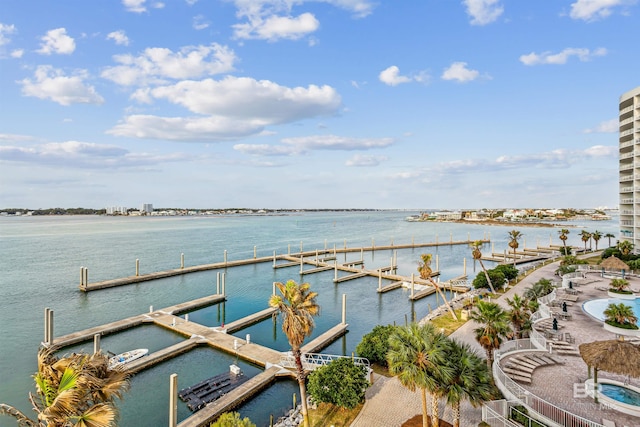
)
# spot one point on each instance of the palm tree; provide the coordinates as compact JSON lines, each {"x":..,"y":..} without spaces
{"x":514,"y":236}
{"x":609,"y":236}
{"x":620,"y":314}
{"x":585,"y":236}
{"x":494,"y":326}
{"x":596,"y":236}
{"x":619,"y":285}
{"x":424,"y":268}
{"x":297,"y":305}
{"x":417,"y":355}
{"x":477,"y":256}
{"x":625,"y":247}
{"x":519,"y":314}
{"x":564,"y":235}
{"x":470,"y":380}
{"x":77,"y":390}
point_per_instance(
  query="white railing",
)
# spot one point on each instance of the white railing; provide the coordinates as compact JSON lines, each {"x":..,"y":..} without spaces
{"x":495,"y":414}
{"x":547,"y":298}
{"x":312,"y":361}
{"x":512,"y":390}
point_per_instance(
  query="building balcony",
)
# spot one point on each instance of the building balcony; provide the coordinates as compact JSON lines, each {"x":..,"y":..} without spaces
{"x":626,"y":156}
{"x":626,"y":201}
{"x":626,"y":132}
{"x":626,"y":178}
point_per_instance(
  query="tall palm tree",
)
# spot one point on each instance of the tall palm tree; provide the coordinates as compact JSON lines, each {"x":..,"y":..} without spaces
{"x":297,"y":306}
{"x":477,"y":256}
{"x":609,"y":236}
{"x":585,"y":236}
{"x":564,"y":235}
{"x":519,"y":314}
{"x":494,"y":327}
{"x":424,"y":268}
{"x":77,"y":390}
{"x":514,"y":236}
{"x":596,"y":236}
{"x":470,"y":380}
{"x":417,"y":355}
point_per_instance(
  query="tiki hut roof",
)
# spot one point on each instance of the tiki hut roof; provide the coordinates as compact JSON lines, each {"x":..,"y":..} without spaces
{"x":615,"y":356}
{"x":615,"y":263}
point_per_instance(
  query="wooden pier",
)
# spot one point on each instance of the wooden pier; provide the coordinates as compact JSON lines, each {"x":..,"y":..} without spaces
{"x":294,"y":259}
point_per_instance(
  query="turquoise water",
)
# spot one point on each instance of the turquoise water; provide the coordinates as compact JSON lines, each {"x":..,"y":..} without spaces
{"x":596,"y":307}
{"x":621,"y":394}
{"x":42,"y":256}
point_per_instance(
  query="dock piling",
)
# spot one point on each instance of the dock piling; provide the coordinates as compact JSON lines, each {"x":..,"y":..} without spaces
{"x":182,"y":260}
{"x":186,"y":317}
{"x":225,"y":256}
{"x":224,"y":284}
{"x":81,"y":276}
{"x":300,"y":247}
{"x":412,"y":284}
{"x":255,"y":254}
{"x":344,"y":309}
{"x":137,"y":267}
{"x":274,"y":289}
{"x":379,"y":280}
{"x":46,"y":325}
{"x":150,"y":309}
{"x":173,"y":400}
{"x":274,"y":259}
{"x":218,"y":283}
{"x":464,"y":266}
{"x":50,"y":327}
{"x":96,"y":344}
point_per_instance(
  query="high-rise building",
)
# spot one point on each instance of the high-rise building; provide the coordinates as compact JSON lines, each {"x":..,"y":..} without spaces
{"x":629,"y":182}
{"x":146,"y":208}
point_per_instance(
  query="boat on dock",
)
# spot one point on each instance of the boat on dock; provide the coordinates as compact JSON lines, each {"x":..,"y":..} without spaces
{"x":199,"y":395}
{"x":126,"y":357}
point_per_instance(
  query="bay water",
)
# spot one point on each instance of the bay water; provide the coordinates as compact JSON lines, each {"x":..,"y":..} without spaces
{"x":42,"y":256}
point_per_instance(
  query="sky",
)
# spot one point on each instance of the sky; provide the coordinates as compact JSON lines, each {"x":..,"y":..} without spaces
{"x":386,"y":104}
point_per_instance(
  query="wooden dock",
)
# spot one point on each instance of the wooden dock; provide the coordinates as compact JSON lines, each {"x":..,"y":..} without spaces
{"x":231,"y":400}
{"x":326,"y":253}
{"x":249,"y":320}
{"x":167,"y":353}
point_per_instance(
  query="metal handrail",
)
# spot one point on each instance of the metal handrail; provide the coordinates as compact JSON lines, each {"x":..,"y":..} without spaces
{"x":312,"y":361}
{"x":532,"y":402}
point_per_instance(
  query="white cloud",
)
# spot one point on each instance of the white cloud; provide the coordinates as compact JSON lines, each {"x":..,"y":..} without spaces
{"x":57,"y":41}
{"x":79,"y":154}
{"x":191,"y":2}
{"x":458,"y":71}
{"x":274,"y":27}
{"x":361,"y":160}
{"x":248,"y":98}
{"x":610,"y":126}
{"x":561,"y":58}
{"x":6,"y":30}
{"x":483,"y":12}
{"x":592,"y":10}
{"x":200,"y":22}
{"x":119,"y":37}
{"x":234,"y":107}
{"x":303,"y":145}
{"x":156,"y":64}
{"x":391,"y":76}
{"x":17,"y":53}
{"x":52,"y":84}
{"x":139,"y":6}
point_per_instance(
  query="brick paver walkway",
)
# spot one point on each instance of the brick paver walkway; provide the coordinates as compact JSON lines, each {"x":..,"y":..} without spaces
{"x":389,"y":404}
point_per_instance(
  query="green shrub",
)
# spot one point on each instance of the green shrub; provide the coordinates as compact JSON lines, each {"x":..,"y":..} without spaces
{"x":341,"y":383}
{"x":375,"y":344}
{"x":497,"y":279}
{"x":232,"y":419}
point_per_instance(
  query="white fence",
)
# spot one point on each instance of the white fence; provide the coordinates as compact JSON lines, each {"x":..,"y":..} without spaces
{"x":312,"y":361}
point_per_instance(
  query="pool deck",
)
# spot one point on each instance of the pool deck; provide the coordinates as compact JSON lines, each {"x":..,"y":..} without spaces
{"x":392,"y":404}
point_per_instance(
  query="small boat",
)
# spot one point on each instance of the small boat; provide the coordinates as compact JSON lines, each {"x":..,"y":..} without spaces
{"x":126,"y":357}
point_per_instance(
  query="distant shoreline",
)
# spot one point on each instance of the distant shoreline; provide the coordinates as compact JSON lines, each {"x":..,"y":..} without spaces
{"x":507,"y":224}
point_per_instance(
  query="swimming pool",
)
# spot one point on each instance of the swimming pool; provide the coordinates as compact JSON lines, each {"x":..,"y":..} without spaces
{"x":620,"y":393}
{"x":596,"y":307}
{"x":616,"y":395}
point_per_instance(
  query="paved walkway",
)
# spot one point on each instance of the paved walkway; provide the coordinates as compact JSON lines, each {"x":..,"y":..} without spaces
{"x":390,"y":404}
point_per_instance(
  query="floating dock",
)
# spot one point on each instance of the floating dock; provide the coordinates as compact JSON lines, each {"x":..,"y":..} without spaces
{"x":199,"y":395}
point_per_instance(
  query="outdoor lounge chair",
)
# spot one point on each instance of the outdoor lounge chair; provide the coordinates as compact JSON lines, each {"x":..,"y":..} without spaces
{"x":608,"y":423}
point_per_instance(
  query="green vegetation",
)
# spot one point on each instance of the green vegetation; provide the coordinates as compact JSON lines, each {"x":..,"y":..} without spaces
{"x":499,"y":275}
{"x":620,"y":316}
{"x":297,"y":306}
{"x":77,"y":390}
{"x":424,"y":268}
{"x":341,"y":383}
{"x":521,"y":416}
{"x":375,"y":345}
{"x":619,"y":286}
{"x":494,"y":327}
{"x":514,"y":236}
{"x":232,"y":419}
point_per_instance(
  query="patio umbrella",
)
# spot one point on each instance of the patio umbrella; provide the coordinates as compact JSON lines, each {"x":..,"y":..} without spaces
{"x":618,"y":357}
{"x":555,"y":324}
{"x":614,"y":263}
{"x":564,"y":306}
{"x":570,"y":284}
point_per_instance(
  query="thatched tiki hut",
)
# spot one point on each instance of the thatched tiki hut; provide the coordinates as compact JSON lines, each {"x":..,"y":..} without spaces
{"x":618,"y":357}
{"x":615,"y":263}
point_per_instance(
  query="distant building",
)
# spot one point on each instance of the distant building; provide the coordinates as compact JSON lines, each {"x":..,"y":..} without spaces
{"x":116,"y":210}
{"x":146,"y":209}
{"x":629,"y":137}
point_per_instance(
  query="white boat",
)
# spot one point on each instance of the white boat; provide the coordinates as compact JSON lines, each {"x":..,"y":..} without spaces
{"x":126,"y":357}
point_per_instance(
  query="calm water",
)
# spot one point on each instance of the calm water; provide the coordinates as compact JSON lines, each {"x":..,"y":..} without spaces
{"x":621,"y":394}
{"x":42,"y":256}
{"x":596,"y":307}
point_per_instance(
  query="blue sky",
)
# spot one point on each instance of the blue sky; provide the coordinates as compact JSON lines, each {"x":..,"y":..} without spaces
{"x":313,"y":103}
